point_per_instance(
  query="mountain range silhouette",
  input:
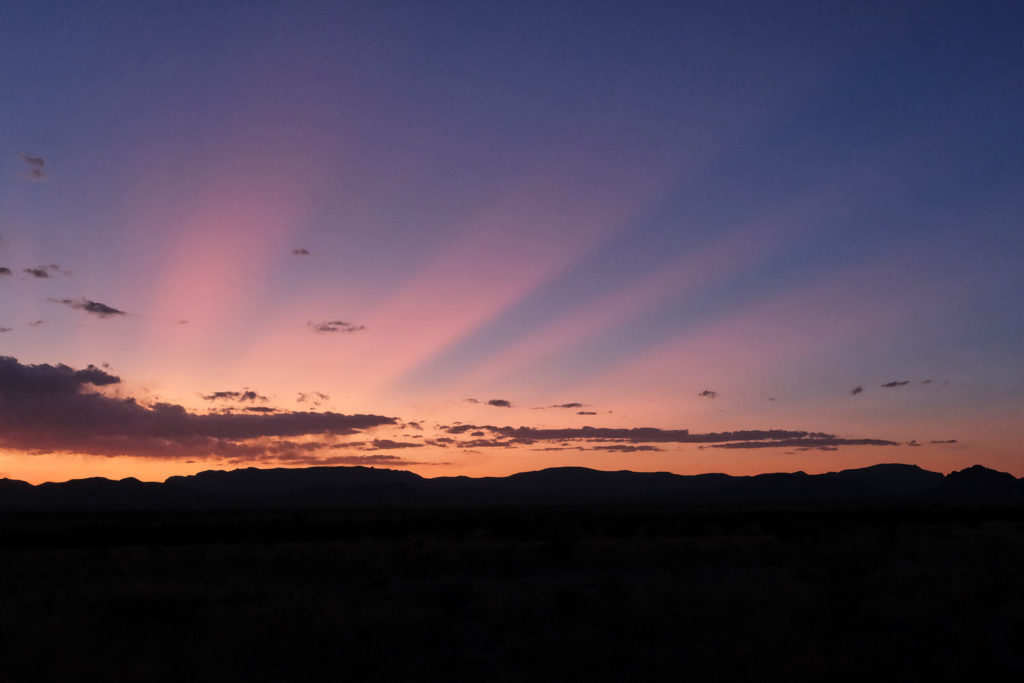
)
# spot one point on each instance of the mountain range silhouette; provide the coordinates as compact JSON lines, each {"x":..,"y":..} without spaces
{"x":366,"y":487}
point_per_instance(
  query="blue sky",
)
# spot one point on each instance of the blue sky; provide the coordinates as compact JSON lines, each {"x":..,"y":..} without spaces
{"x":621,"y":204}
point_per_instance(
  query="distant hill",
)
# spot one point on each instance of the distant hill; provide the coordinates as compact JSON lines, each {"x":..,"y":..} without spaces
{"x":359,"y":487}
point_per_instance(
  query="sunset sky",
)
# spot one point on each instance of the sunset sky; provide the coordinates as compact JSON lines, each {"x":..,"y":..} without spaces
{"x":450,"y":236}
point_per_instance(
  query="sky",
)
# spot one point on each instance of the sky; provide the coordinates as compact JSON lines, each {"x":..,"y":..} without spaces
{"x":477,"y":238}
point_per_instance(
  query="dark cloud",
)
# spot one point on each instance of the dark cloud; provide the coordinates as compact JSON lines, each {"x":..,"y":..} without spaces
{"x":335,"y":326}
{"x":586,"y":412}
{"x":707,"y":393}
{"x":457,"y":429}
{"x":46,"y":408}
{"x":636,"y":434}
{"x":386,"y":444}
{"x":300,"y":252}
{"x":856,"y":390}
{"x":574,"y":404}
{"x":259,"y":409}
{"x":240,"y":396}
{"x":896,"y":383}
{"x":500,"y":403}
{"x":751,"y":438}
{"x":5,"y":329}
{"x":412,"y":425}
{"x":5,"y":271}
{"x":93,"y":307}
{"x":945,"y":441}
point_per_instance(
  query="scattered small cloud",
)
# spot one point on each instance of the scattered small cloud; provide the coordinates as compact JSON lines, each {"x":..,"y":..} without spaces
{"x":240,"y":396}
{"x":624,"y":448}
{"x":707,"y":393}
{"x":574,"y":404}
{"x":500,"y":403}
{"x":35,"y":323}
{"x":5,"y":329}
{"x":586,"y":412}
{"x":181,"y":321}
{"x":857,"y":390}
{"x":470,"y":400}
{"x":35,"y":167}
{"x":300,"y":252}
{"x":314,"y":398}
{"x":926,"y":381}
{"x":42,"y":271}
{"x":896,"y":383}
{"x":93,"y":307}
{"x":335,"y":326}
{"x":826,"y":443}
{"x":944,"y":441}
{"x":388,"y":444}
{"x":5,"y":271}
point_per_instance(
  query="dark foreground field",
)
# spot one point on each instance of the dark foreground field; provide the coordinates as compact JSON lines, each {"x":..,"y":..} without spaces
{"x":520,"y":594}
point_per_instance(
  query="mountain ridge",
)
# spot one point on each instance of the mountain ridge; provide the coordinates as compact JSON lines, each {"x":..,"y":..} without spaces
{"x":359,"y":486}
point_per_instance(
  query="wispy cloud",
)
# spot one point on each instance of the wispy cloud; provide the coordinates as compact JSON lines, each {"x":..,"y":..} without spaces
{"x":335,"y":326}
{"x":300,"y":252}
{"x":896,"y":383}
{"x":707,"y":393}
{"x":820,"y":443}
{"x":857,"y":390}
{"x":625,"y":448}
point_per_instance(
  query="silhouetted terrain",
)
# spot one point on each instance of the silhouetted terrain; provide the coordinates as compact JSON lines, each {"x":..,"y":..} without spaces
{"x":358,"y":487}
{"x":517,"y":591}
